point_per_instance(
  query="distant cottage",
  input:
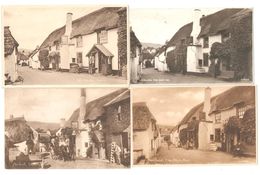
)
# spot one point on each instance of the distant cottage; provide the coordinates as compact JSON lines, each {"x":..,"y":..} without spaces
{"x":219,"y":44}
{"x":10,"y":51}
{"x":95,"y":43}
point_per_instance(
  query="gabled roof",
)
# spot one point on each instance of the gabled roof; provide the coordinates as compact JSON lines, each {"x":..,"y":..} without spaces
{"x":142,"y":116}
{"x":104,"y":18}
{"x":95,"y":108}
{"x":102,"y":49}
{"x":9,"y":42}
{"x":212,"y":24}
{"x":225,"y":100}
{"x":134,"y":40}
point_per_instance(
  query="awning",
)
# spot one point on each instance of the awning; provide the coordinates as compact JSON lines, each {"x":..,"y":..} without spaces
{"x":102,"y":49}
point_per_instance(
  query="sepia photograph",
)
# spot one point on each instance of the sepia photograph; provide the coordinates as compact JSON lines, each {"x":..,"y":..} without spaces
{"x":174,"y":46}
{"x":194,"y":125}
{"x":65,"y":45}
{"x":67,"y":128}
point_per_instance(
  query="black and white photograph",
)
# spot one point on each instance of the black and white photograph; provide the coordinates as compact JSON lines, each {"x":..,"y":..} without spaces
{"x":65,"y":45}
{"x":67,"y":128}
{"x":182,"y":46}
{"x":194,"y":125}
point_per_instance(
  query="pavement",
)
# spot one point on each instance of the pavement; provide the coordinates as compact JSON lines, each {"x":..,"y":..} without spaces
{"x":182,"y":156}
{"x":52,"y":77}
{"x":152,"y":76}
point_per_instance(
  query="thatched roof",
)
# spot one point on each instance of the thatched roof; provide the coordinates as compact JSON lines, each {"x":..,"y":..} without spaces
{"x":17,"y":129}
{"x":105,"y":18}
{"x":225,"y":100}
{"x":134,"y":40}
{"x":142,"y":116}
{"x":95,"y":108}
{"x":21,"y":56}
{"x":9,"y":42}
{"x":212,"y":24}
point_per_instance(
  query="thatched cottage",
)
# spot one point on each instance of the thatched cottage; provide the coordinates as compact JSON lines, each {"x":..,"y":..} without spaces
{"x":146,"y":136}
{"x":219,"y":44}
{"x":34,"y":61}
{"x":95,"y":42}
{"x":218,"y":122}
{"x":136,"y":58}
{"x":160,"y":60}
{"x":10,"y":51}
{"x":100,"y":122}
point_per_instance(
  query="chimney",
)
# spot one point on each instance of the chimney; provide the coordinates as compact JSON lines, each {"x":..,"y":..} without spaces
{"x":207,"y":105}
{"x":196,"y":25}
{"x":11,"y":116}
{"x":62,"y":122}
{"x":82,"y":108}
{"x":68,"y":24}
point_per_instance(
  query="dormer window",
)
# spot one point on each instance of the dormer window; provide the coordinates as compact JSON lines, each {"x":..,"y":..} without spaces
{"x":79,"y":41}
{"x":225,"y":36}
{"x":119,"y":115}
{"x":206,"y":42}
{"x":74,"y":124}
{"x":102,"y":37}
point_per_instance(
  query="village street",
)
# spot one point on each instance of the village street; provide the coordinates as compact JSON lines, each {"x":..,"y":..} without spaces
{"x":50,"y":77}
{"x":82,"y":164}
{"x":183,"y":156}
{"x":152,"y":76}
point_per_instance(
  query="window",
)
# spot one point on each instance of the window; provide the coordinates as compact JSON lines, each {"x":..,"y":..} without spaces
{"x":119,"y":110}
{"x":211,"y":137}
{"x":86,"y":144}
{"x":205,"y":59}
{"x":218,"y":118}
{"x":225,"y":37}
{"x":200,"y":63}
{"x":190,"y":40}
{"x":206,"y":42}
{"x":79,"y":57}
{"x":73,"y":60}
{"x":152,"y":144}
{"x":79,"y":41}
{"x":49,"y":48}
{"x":241,"y":112}
{"x":102,"y":37}
{"x":217,"y":135}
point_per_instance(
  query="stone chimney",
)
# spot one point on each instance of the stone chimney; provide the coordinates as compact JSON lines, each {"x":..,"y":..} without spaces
{"x":68,"y":28}
{"x":196,"y":25}
{"x":62,"y":122}
{"x":82,"y":108}
{"x":207,"y":104}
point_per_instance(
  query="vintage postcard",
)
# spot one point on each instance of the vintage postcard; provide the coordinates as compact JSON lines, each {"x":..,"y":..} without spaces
{"x":191,"y":45}
{"x":194,"y":125}
{"x":65,"y":45}
{"x":67,"y":128}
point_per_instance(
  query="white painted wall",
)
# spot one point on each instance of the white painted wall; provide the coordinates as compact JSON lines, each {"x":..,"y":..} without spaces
{"x":205,"y":130}
{"x":142,"y":140}
{"x":161,"y":63}
{"x":11,"y":66}
{"x":111,"y":45}
{"x":136,"y":69}
{"x":34,"y":61}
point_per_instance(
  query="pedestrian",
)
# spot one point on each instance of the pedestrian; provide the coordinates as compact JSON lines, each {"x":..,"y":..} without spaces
{"x":118,"y":154}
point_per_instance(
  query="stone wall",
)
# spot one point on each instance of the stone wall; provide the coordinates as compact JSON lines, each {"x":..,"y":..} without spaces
{"x":122,"y":41}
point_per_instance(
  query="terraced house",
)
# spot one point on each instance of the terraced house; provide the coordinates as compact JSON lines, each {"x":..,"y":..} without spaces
{"x":223,"y":121}
{"x":95,"y":43}
{"x":218,"y":44}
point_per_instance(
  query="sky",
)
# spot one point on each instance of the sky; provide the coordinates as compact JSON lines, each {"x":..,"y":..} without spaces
{"x":159,"y":25}
{"x":170,"y":105}
{"x":30,"y":25}
{"x":47,"y":105}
